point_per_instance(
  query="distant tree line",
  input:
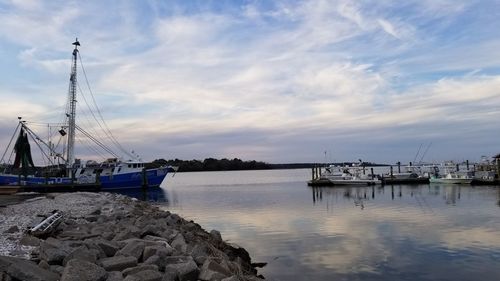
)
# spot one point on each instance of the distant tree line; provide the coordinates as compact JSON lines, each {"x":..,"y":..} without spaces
{"x":212,"y":164}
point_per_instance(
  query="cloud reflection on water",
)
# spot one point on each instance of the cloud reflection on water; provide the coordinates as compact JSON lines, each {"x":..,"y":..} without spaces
{"x":373,"y":233}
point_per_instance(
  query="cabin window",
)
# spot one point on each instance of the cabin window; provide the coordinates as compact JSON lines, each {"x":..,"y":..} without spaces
{"x":129,"y":165}
{"x":82,"y":171}
{"x":135,"y":165}
{"x":119,"y":169}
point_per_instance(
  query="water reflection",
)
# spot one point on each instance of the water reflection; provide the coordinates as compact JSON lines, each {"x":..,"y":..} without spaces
{"x":451,"y":194}
{"x":400,"y":232}
{"x":152,"y":194}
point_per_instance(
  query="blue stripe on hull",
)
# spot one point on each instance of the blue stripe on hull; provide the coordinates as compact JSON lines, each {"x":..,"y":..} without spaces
{"x":122,"y":181}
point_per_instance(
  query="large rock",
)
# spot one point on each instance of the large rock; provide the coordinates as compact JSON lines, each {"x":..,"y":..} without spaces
{"x":134,"y":270}
{"x":53,"y":251}
{"x":24,"y":270}
{"x":147,"y":275}
{"x":81,"y":253}
{"x":183,"y":267}
{"x":212,"y":270}
{"x":134,"y":248}
{"x":115,"y":276}
{"x":118,"y":263}
{"x":179,"y":243}
{"x":108,"y":247}
{"x":80,"y":270}
{"x":161,"y":251}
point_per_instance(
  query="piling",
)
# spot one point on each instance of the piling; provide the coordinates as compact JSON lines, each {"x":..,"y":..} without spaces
{"x":391,"y":172}
{"x":399,"y":168}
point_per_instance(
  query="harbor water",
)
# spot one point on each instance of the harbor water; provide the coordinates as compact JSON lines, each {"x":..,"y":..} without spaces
{"x":401,"y":232}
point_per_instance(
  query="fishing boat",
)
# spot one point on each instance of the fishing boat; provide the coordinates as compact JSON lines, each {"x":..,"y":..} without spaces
{"x":62,"y":167}
{"x":451,"y":175}
{"x":410,"y":175}
{"x":349,"y":176}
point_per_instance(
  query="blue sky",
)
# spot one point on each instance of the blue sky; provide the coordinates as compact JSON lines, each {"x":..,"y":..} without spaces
{"x":277,"y":81}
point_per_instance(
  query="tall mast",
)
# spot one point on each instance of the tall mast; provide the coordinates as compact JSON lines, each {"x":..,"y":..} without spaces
{"x":72,"y":108}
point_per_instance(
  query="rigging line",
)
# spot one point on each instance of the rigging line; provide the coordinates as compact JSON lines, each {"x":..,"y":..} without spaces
{"x":89,"y":123}
{"x":108,"y":132}
{"x":425,"y":152}
{"x":36,"y":139}
{"x":97,"y":141}
{"x":39,"y":139}
{"x":99,"y":111}
{"x":418,"y":152}
{"x":86,"y":143}
{"x":10,"y":142}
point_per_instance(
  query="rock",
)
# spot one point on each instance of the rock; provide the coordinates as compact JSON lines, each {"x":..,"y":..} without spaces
{"x":232,"y":278}
{"x":108,"y":247}
{"x":184,"y":268}
{"x":115,"y":276}
{"x":133,"y":248}
{"x":43,"y":264}
{"x":216,"y":235}
{"x":179,"y":243}
{"x":29,"y":240}
{"x":24,"y":270}
{"x":12,"y":229}
{"x":211,"y":270}
{"x":156,"y":260}
{"x":80,"y":270}
{"x":118,"y":263}
{"x":134,"y":270}
{"x":147,"y":275}
{"x":200,"y":253}
{"x":81,"y":253}
{"x":158,"y":251}
{"x":57,"y":269}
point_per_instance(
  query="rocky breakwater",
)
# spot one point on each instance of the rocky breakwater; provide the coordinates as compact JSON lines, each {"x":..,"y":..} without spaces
{"x":104,"y":236}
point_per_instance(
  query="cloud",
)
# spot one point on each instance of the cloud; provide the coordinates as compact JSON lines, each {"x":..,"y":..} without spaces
{"x":299,"y":76}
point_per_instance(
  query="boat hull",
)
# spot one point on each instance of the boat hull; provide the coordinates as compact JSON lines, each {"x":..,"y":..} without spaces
{"x":354,"y":182}
{"x":136,"y":179}
{"x":451,"y":181}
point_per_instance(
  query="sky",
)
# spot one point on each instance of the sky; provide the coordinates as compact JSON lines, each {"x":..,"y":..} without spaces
{"x":274,"y":81}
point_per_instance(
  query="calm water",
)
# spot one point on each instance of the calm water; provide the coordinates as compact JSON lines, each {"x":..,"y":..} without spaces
{"x":425,"y":232}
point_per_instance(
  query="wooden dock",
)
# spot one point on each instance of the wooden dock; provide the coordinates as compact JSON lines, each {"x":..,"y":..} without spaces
{"x":45,"y":188}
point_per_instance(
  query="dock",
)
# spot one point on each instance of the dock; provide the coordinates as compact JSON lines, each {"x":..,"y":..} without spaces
{"x":46,"y":188}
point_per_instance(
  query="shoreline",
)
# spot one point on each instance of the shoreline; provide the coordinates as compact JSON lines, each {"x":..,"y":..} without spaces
{"x":107,"y":236}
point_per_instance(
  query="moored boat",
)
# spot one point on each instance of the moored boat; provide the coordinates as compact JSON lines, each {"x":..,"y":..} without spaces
{"x":451,"y":175}
{"x":64,"y":169}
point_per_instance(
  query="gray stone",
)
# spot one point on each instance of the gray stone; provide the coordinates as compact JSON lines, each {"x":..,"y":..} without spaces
{"x":115,"y":276}
{"x":29,"y":240}
{"x":200,"y":253}
{"x":5,"y":277}
{"x":81,"y":253}
{"x":232,"y":278}
{"x":12,"y":229}
{"x":183,"y":267}
{"x":179,"y":243}
{"x":131,"y":278}
{"x":57,"y":269}
{"x":147,"y":275}
{"x":156,"y":260}
{"x":216,"y":235}
{"x":158,"y":251}
{"x":43,"y":264}
{"x":133,"y":248}
{"x":53,"y":251}
{"x":24,"y":270}
{"x":80,"y":270}
{"x":108,"y":247}
{"x":139,"y":268}
{"x":118,"y":263}
{"x":212,"y":270}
